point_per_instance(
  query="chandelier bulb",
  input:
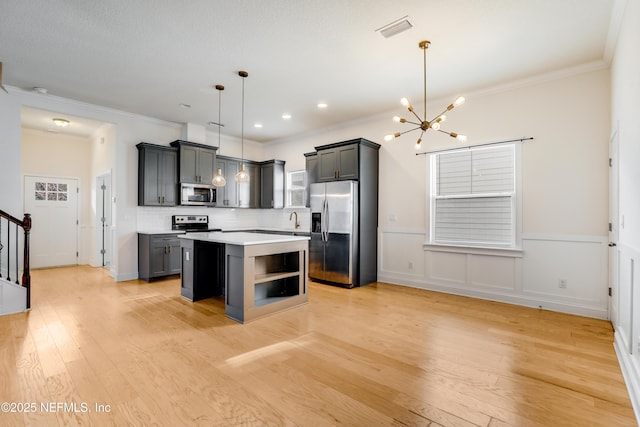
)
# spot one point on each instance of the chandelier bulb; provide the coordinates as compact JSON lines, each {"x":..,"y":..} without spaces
{"x":388,"y":137}
{"x":461,"y":138}
{"x":397,"y":119}
{"x":405,"y":102}
{"x":435,"y":125}
{"x":460,"y":101}
{"x":442,"y":118}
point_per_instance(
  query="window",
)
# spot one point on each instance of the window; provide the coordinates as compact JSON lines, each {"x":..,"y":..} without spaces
{"x":474,"y":197}
{"x":296,"y":188}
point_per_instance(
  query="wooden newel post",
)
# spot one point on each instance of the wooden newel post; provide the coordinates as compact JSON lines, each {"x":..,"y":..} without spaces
{"x":26,"y":275}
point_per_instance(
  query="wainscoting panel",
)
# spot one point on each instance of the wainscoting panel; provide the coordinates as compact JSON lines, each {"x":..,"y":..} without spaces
{"x":627,"y":329}
{"x":560,"y":273}
{"x":496,"y":272}
{"x":566,"y":269}
{"x":447,"y":268}
{"x":401,"y":255}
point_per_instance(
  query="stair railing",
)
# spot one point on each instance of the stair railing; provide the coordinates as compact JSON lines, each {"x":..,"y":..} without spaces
{"x":13,"y":224}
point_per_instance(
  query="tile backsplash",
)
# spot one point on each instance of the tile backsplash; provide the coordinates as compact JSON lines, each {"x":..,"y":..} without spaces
{"x":159,"y":218}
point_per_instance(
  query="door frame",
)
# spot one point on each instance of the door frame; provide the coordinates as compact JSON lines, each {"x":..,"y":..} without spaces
{"x":103,"y":207}
{"x":613,"y":252}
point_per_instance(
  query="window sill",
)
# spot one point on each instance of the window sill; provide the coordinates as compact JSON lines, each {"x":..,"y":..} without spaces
{"x":474,"y":250}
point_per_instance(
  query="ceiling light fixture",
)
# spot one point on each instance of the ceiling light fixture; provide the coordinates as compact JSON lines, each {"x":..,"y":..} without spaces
{"x":286,"y":116}
{"x":257,"y":125}
{"x":218,"y":180}
{"x":422,"y":123}
{"x":322,"y":105}
{"x":61,"y":122}
{"x":242,"y":176}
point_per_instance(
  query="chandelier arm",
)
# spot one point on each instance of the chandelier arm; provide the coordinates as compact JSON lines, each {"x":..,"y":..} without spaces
{"x":413,"y":123}
{"x":446,"y":109}
{"x":406,"y":131}
{"x":414,"y":113}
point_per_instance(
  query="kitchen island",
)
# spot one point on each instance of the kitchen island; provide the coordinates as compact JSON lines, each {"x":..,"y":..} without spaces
{"x":258,"y":273}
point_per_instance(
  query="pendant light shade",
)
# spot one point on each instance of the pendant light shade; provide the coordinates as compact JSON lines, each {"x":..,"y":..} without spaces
{"x":242,"y":176}
{"x":218,"y":180}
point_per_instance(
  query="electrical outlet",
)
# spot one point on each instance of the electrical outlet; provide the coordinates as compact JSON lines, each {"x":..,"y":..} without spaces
{"x":562,"y":283}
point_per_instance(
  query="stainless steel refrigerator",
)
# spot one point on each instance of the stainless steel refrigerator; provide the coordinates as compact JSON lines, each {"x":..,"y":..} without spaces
{"x":333,"y":250}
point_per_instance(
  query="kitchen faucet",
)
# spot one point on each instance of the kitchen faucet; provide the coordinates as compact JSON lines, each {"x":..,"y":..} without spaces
{"x":297,"y":224}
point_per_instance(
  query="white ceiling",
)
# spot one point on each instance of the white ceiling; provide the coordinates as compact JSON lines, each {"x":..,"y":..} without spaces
{"x":149,"y":56}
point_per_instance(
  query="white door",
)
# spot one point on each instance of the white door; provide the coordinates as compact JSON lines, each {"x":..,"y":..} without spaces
{"x":53,"y":205}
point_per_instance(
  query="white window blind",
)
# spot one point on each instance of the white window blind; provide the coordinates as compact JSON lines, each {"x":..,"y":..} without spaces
{"x":473,"y":196}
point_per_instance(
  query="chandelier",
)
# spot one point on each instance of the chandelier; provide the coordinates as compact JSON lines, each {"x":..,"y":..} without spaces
{"x":422,"y":123}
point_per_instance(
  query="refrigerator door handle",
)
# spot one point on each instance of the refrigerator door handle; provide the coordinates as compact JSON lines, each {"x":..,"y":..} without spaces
{"x":325,"y":220}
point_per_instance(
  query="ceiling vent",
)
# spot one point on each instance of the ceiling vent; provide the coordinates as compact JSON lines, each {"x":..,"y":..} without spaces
{"x":395,"y":27}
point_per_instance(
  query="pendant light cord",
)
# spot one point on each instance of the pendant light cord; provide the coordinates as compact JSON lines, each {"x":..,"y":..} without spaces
{"x":242,"y":122}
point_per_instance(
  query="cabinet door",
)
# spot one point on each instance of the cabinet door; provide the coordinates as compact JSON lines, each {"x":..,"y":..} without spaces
{"x":312,"y":175}
{"x":188,"y":164}
{"x":327,"y":165}
{"x":150,"y":175}
{"x":266,"y":186}
{"x":158,"y":251}
{"x":206,"y":165}
{"x":174,"y":257}
{"x":231,"y":189}
{"x":347,"y":158}
{"x":254,"y":185}
{"x":169,"y":178}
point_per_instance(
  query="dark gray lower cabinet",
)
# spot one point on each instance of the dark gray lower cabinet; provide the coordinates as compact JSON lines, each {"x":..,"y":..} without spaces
{"x":158,"y":255}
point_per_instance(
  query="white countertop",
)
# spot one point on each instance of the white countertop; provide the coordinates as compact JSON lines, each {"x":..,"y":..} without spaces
{"x":161,"y":232}
{"x":242,"y":239}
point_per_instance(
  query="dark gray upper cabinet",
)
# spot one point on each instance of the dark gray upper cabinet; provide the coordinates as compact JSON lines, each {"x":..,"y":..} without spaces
{"x":227,"y":196}
{"x":233,"y":194}
{"x":355,"y":159}
{"x":197,"y":162}
{"x":338,"y":162}
{"x":272,"y":184}
{"x":157,"y":175}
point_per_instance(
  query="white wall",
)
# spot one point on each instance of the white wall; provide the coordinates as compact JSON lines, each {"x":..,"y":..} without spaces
{"x":564,"y":193}
{"x":625,"y":114}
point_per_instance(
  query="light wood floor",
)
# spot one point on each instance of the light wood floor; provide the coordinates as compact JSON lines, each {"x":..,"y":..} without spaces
{"x":373,"y":356}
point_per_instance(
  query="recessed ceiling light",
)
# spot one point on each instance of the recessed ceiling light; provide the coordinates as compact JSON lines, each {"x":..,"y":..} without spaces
{"x":322,"y":105}
{"x":61,"y":122}
{"x":215,"y":124}
{"x":257,"y":125}
{"x":183,"y":105}
{"x":286,"y":116}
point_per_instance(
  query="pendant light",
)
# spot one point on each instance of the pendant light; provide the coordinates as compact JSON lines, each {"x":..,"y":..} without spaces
{"x":242,"y":176}
{"x":423,"y":124}
{"x":219,"y":180}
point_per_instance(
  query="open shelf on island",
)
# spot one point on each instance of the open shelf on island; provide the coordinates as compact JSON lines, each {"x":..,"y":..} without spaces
{"x":265,"y":279}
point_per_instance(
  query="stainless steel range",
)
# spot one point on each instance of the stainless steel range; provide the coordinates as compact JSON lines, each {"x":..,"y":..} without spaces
{"x":191,"y":223}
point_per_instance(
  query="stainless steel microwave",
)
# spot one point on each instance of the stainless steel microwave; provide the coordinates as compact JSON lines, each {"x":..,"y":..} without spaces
{"x":197,"y":194}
